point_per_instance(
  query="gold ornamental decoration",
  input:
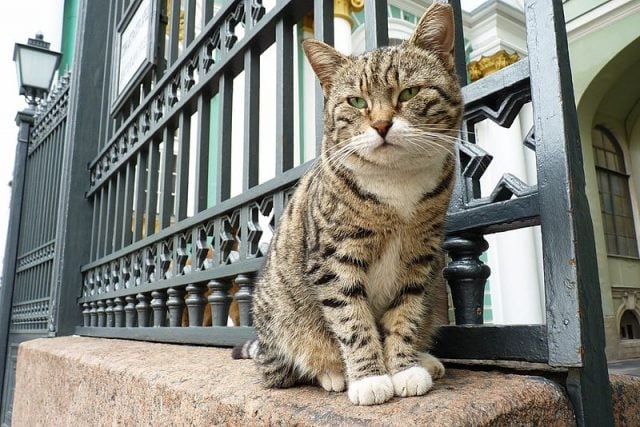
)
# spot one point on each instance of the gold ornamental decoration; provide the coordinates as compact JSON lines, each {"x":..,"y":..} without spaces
{"x":488,"y":65}
{"x":343,"y":8}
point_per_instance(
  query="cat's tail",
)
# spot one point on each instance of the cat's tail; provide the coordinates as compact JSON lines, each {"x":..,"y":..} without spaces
{"x":248,"y":350}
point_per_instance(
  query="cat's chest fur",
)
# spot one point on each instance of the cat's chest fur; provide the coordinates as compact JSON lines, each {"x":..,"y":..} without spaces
{"x":402,"y":193}
{"x":382,"y":277}
{"x":402,"y":190}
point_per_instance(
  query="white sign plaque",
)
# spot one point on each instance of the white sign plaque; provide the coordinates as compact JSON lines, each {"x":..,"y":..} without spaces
{"x":135,"y":43}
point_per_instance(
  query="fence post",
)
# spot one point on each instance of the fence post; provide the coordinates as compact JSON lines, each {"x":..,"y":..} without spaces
{"x":73,"y":228}
{"x":24,"y":120}
{"x":574,"y":308}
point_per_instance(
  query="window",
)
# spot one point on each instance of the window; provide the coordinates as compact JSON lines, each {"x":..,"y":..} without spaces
{"x":615,"y":199}
{"x":629,"y":326}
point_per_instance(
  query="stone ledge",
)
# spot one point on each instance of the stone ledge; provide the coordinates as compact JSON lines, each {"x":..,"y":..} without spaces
{"x":89,"y":381}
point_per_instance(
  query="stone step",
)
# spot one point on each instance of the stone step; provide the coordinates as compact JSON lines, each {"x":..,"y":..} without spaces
{"x":90,"y":381}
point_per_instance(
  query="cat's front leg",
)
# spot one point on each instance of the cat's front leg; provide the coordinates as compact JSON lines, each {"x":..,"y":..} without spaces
{"x":401,"y":325}
{"x":346,"y":310}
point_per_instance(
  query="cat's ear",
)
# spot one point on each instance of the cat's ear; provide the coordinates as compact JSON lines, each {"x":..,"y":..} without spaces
{"x":324,"y":60}
{"x":435,"y":30}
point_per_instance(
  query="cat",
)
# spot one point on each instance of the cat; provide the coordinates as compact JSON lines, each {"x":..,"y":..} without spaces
{"x":352,"y":284}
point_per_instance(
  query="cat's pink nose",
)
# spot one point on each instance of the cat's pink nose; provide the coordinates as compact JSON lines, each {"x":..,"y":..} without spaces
{"x":382,"y":126}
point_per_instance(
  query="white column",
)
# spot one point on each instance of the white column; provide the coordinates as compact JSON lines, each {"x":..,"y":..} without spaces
{"x":512,"y":257}
{"x":342,"y":35}
{"x":526,"y":122}
{"x":308,"y":89}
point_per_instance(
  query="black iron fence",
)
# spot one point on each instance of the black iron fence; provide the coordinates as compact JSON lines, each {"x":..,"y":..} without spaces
{"x":30,"y":252}
{"x":168,"y":244}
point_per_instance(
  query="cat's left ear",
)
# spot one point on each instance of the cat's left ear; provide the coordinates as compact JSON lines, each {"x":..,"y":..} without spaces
{"x":435,"y":30}
{"x":324,"y":60}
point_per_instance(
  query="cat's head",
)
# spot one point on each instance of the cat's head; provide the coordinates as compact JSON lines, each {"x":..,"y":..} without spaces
{"x":395,"y":106}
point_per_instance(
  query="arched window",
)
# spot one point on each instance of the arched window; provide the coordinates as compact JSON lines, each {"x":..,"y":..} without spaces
{"x":615,"y":200}
{"x":629,"y":326}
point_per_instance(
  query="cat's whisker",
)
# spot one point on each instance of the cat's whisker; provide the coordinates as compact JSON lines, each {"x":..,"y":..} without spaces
{"x":417,"y":130}
{"x":444,"y":141}
{"x":441,"y":140}
{"x":428,"y":146}
{"x":440,"y":130}
{"x":350,"y":146}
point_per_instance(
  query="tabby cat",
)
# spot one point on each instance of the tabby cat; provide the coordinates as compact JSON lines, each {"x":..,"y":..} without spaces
{"x":352,"y":285}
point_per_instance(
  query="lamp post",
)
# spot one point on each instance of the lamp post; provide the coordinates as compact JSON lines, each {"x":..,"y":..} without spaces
{"x":35,"y":65}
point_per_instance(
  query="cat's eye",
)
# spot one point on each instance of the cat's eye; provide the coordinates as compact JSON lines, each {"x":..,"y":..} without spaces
{"x":357,"y":102}
{"x":409,"y":93}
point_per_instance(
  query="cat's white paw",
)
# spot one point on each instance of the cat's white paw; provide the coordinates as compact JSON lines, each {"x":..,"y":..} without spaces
{"x":414,"y":381}
{"x":371,"y":390}
{"x":432,"y":365}
{"x":332,"y":381}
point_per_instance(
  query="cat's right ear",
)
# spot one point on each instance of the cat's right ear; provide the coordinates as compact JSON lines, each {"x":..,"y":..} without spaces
{"x":324,"y":60}
{"x":435,"y":31}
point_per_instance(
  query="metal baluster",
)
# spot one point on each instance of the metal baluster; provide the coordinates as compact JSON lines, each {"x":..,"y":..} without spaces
{"x":207,"y":12}
{"x":118,"y":209}
{"x":130,"y":311}
{"x":102,"y":321}
{"x":195,"y":302}
{"x":202,"y":152}
{"x":93,"y":255}
{"x":127,"y":225}
{"x":175,"y":304}
{"x":144,"y":313}
{"x":376,"y":28}
{"x":182,"y":166}
{"x":86,"y":318}
{"x":244,"y":297}
{"x":219,"y":299}
{"x":166,"y":179}
{"x":323,"y":29}
{"x":174,"y":30}
{"x":118,"y":313}
{"x":101,"y":220}
{"x":93,"y":314}
{"x":107,"y":229}
{"x":225,"y":107}
{"x":251,"y":118}
{"x":159,"y":306}
{"x":460,"y":55}
{"x":109,"y":312}
{"x":189,"y":21}
{"x":467,"y":276}
{"x":284,"y":95}
{"x":152,"y":187}
{"x":141,"y":183}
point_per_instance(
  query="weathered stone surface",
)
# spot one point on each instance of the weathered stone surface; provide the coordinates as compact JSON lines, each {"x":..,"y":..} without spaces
{"x":625,"y":393}
{"x":87,"y":381}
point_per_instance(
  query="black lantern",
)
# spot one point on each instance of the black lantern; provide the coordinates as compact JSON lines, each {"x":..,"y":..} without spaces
{"x":36,"y":65}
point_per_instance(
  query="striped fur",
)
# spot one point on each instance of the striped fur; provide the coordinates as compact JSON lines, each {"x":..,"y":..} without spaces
{"x":248,"y":350}
{"x":352,"y":288}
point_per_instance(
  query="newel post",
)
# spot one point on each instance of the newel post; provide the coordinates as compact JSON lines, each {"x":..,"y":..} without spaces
{"x":467,"y":276}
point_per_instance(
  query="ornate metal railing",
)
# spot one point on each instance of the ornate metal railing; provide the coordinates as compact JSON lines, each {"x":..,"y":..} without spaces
{"x":154,"y":269}
{"x":30,"y":251}
{"x":36,"y":245}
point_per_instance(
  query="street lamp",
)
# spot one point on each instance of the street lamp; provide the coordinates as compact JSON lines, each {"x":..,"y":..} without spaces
{"x":35,"y":65}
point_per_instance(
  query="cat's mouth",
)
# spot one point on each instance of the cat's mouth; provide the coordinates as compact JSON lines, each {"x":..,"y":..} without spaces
{"x":383,"y":144}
